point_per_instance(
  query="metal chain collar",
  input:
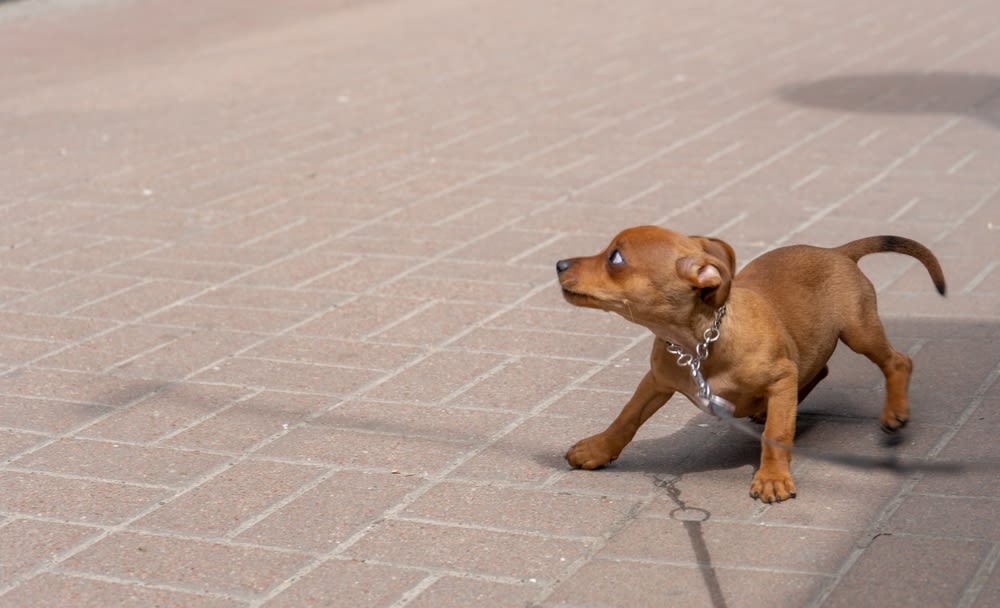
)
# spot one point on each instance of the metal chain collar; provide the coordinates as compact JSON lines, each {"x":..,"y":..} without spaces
{"x":705,"y":400}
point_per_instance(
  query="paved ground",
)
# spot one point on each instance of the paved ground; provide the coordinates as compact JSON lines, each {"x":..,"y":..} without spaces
{"x":280,"y":327}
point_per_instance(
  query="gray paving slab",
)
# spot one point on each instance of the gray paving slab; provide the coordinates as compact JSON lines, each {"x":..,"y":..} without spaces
{"x":279,"y":323}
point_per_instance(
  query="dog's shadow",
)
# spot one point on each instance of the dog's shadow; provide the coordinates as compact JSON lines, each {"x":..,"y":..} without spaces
{"x":707,"y":444}
{"x":976,"y":95}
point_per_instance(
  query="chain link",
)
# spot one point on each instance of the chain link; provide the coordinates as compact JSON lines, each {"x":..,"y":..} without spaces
{"x":712,"y":404}
{"x":685,"y":359}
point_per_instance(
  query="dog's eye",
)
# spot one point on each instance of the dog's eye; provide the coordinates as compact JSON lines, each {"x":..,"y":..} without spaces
{"x":615,"y":258}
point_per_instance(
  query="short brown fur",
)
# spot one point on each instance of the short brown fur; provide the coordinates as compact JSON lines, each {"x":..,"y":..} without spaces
{"x":785,"y":312}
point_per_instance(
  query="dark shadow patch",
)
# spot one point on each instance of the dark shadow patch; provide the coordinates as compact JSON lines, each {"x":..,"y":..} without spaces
{"x":957,"y":93}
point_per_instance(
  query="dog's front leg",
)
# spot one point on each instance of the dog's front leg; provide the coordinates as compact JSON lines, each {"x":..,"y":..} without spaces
{"x":600,"y":449}
{"x":773,"y":480}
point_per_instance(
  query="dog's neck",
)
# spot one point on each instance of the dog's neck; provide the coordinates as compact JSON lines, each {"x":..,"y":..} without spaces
{"x":689,"y":334}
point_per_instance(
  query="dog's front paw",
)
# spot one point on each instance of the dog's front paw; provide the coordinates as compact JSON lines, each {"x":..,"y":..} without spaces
{"x":772,"y":485}
{"x":592,"y":453}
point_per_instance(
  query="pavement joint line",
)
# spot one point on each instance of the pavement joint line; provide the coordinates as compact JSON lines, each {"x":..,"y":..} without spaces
{"x":471,"y":209}
{"x":441,"y":571}
{"x":191,"y":590}
{"x":878,"y":523}
{"x":695,"y":564}
{"x":15,"y":468}
{"x":266,"y":441}
{"x":868,"y":184}
{"x":808,"y":178}
{"x":434,"y":479}
{"x":414,"y":592}
{"x":903,"y":210}
{"x":946,"y":230}
{"x":736,"y":145}
{"x":812,"y":135}
{"x":674,"y":145}
{"x":977,"y":280}
{"x":513,"y":531}
{"x":492,"y":372}
{"x":625,"y":202}
{"x":974,"y":588}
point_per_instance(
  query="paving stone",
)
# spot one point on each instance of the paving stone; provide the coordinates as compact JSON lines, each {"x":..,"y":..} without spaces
{"x":63,"y":590}
{"x":166,"y":412}
{"x":326,"y":515}
{"x":226,"y":501}
{"x":349,"y":583}
{"x":46,"y":416}
{"x":627,"y":583}
{"x":937,"y":569}
{"x":524,"y":510}
{"x":74,"y":500}
{"x":322,"y":444}
{"x":186,"y":562}
{"x":432,"y":422}
{"x":119,"y":461}
{"x":472,"y":550}
{"x":729,"y":544}
{"x":453,"y":591}
{"x":27,"y":544}
{"x":239,"y":427}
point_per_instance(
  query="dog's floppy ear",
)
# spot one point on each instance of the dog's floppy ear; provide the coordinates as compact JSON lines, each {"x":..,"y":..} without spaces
{"x":711,"y":272}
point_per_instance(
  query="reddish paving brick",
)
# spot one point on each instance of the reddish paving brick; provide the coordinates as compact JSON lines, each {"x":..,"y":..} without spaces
{"x":934,"y":570}
{"x":46,"y":416}
{"x":434,"y":377}
{"x":115,"y":461}
{"x":469,"y":550}
{"x":229,"y":499}
{"x":729,"y":544}
{"x":516,"y":509}
{"x":454,"y":592}
{"x":66,"y":590}
{"x":289,"y":376}
{"x":326,"y":515}
{"x":239,"y":427}
{"x":76,"y":386}
{"x":164,"y":413}
{"x":600,"y":582}
{"x":73,"y":500}
{"x":349,"y":583}
{"x":217,"y":567}
{"x":13,"y":442}
{"x":329,"y":351}
{"x":429,"y":421}
{"x":104,"y":351}
{"x":29,"y":544}
{"x":347,"y":447}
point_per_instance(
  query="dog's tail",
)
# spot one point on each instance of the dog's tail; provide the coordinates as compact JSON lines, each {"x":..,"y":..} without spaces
{"x":896,"y":244}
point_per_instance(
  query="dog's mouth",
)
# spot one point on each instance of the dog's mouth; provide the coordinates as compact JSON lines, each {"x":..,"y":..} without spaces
{"x":582,"y":299}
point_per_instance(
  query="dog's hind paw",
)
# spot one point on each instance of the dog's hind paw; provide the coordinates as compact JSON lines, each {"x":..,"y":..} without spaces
{"x":893,"y":423}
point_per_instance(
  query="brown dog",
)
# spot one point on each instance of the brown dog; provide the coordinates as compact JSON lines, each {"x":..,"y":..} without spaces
{"x":783,"y":316}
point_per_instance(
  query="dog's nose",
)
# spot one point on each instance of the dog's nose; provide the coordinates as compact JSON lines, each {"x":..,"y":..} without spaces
{"x":562,"y":265}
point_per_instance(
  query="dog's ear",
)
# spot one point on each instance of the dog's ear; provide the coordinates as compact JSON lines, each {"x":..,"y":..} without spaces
{"x":711,"y":272}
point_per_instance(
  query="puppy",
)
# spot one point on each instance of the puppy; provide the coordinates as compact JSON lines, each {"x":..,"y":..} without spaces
{"x":784,"y":313}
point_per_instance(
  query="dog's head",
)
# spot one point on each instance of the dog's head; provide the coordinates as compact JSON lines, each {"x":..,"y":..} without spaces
{"x":651,"y":275}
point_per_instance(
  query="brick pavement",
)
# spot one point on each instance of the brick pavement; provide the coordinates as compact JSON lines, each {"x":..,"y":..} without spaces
{"x":280,"y":327}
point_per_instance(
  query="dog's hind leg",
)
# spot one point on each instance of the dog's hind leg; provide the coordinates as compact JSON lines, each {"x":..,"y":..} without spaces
{"x":866,"y":336}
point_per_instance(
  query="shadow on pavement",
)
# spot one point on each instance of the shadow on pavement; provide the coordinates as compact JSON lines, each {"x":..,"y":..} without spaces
{"x":959,"y":93}
{"x":955,"y":375}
